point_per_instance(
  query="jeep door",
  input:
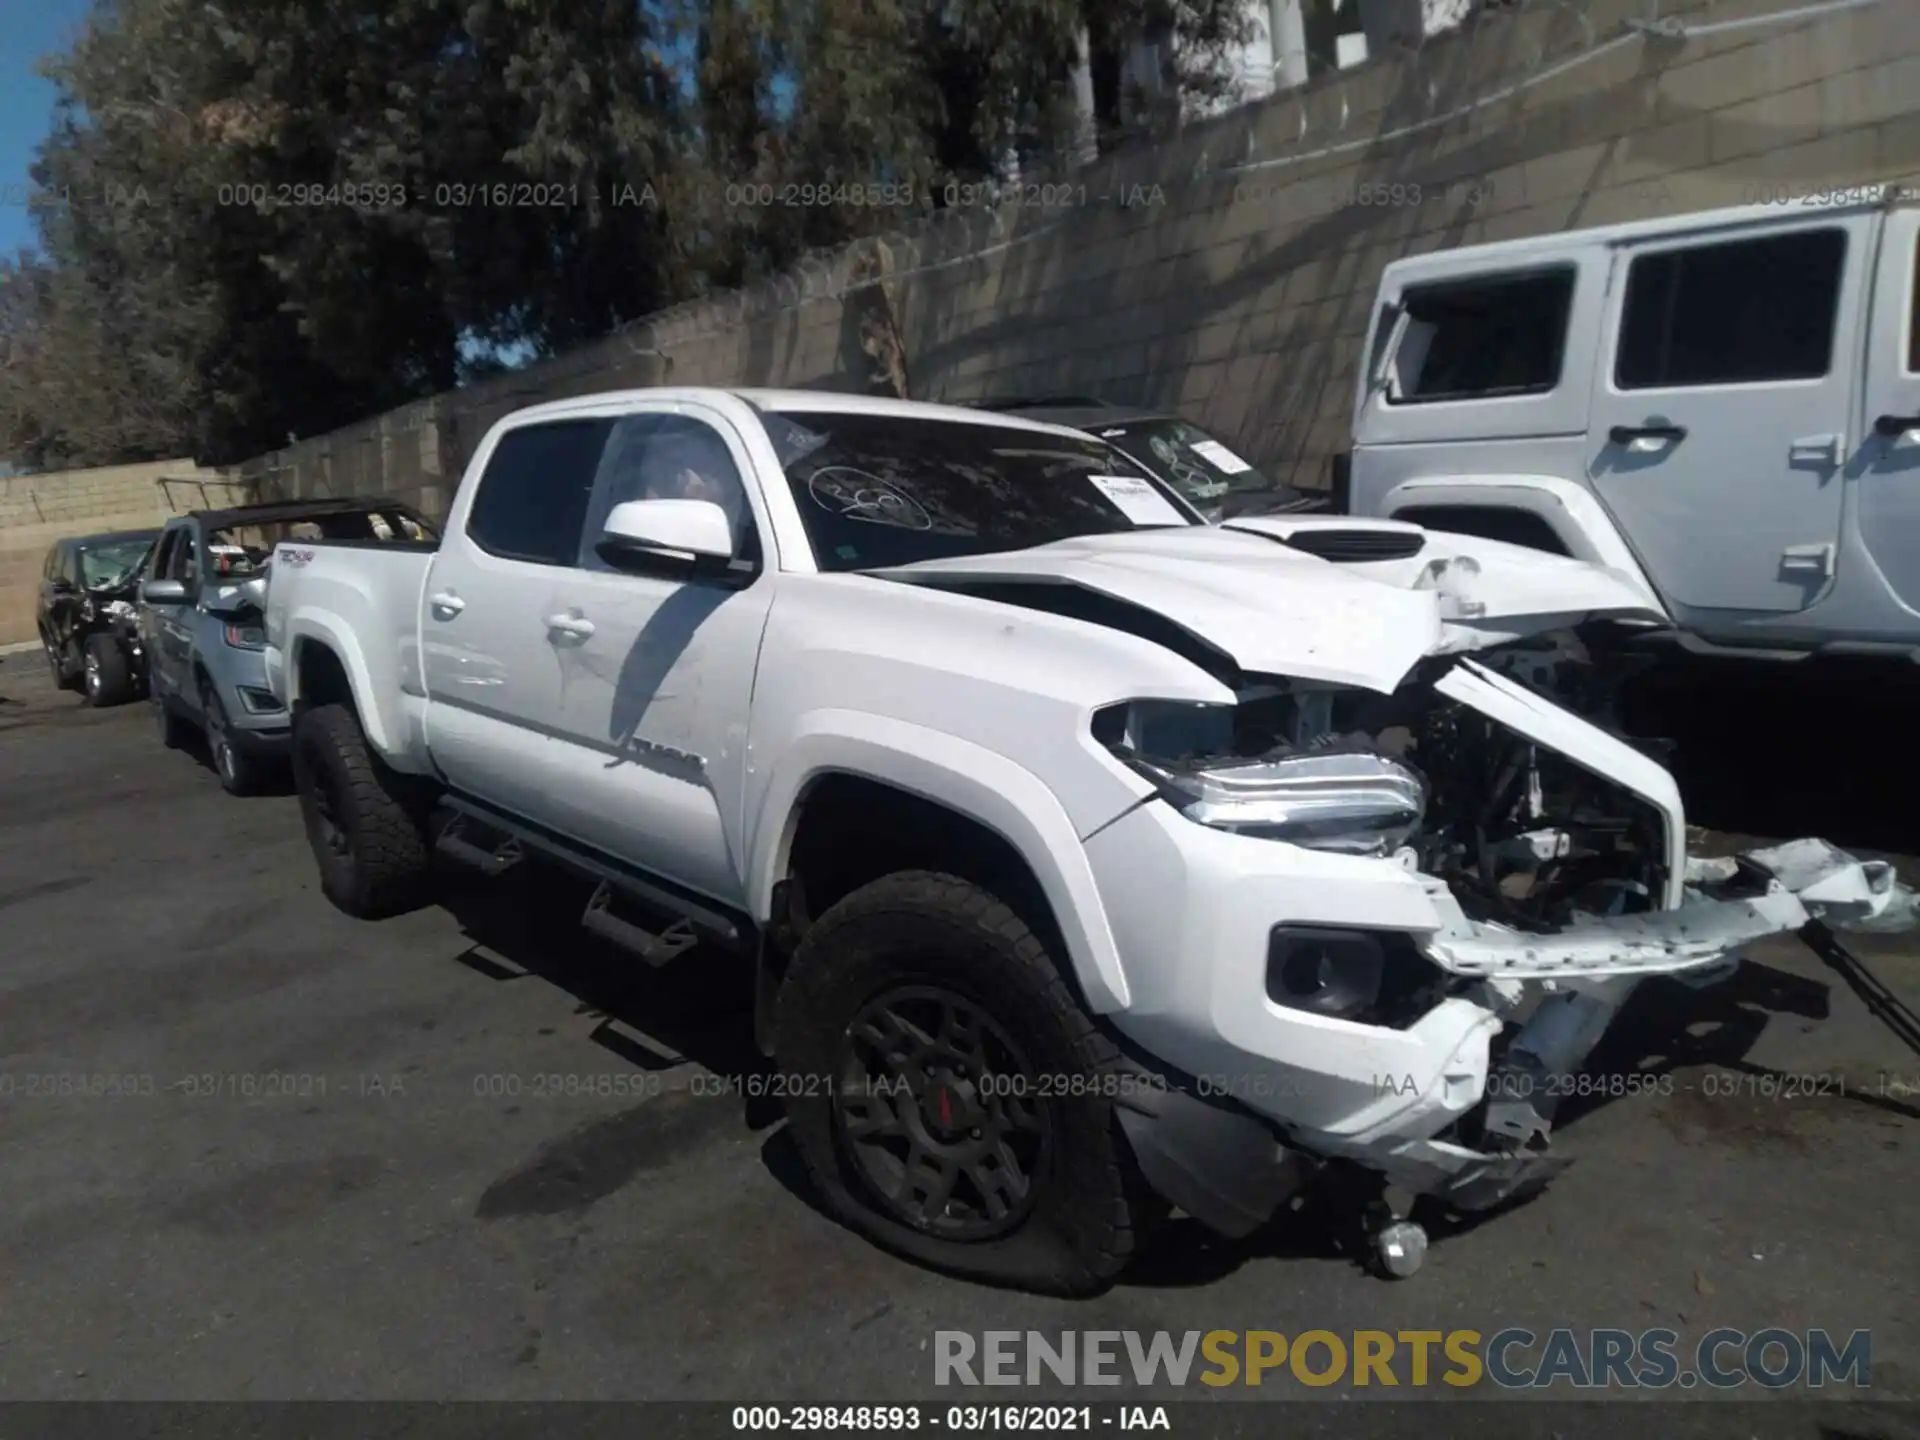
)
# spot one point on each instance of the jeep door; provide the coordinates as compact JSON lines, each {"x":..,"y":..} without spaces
{"x":1721,"y":410}
{"x":168,"y":626}
{"x":1888,"y":488}
{"x":60,"y":597}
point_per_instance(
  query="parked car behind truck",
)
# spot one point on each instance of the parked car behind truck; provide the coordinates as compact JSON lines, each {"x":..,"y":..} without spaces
{"x":1724,"y":407}
{"x":200,"y":610}
{"x":1090,"y":861}
{"x":88,"y":586}
{"x":1200,"y":468}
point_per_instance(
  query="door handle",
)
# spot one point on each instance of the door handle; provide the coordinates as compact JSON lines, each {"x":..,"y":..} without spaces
{"x":1894,"y":426}
{"x":570,"y":625}
{"x":1815,"y":447}
{"x":1627,"y":434}
{"x":1807,"y":560}
{"x":448,"y":601}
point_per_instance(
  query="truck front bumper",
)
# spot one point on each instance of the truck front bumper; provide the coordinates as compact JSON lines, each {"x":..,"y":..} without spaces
{"x":1452,"y":1095}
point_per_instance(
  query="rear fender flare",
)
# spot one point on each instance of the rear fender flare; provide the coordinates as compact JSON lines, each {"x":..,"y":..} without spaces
{"x":331,"y":632}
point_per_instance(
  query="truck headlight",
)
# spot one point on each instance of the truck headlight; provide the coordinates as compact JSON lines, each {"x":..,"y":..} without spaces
{"x":1352,"y":801}
{"x":246,"y":637}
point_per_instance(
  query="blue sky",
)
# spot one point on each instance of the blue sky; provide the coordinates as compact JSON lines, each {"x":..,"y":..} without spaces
{"x":28,"y":30}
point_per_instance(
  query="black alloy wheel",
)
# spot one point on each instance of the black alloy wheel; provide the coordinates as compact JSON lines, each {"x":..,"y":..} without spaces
{"x":937,"y":1111}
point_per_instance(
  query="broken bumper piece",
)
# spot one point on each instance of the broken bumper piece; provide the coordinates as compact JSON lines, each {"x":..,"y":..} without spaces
{"x":1588,"y":971}
{"x":1729,"y":902}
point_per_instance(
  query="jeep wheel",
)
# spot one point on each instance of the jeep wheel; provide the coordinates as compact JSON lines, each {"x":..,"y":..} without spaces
{"x":109,"y":680}
{"x":946,"y":1091}
{"x":239,"y":772}
{"x":370,"y":844}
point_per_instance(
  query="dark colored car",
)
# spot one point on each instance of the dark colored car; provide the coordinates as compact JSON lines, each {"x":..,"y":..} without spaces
{"x":1216,"y":481}
{"x":88,"y":591}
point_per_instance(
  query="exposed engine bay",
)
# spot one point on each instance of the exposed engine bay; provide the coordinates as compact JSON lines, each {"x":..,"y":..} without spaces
{"x":1523,"y":836}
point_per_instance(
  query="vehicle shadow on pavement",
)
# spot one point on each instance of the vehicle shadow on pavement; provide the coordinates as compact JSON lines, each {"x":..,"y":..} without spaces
{"x":697,"y":1009}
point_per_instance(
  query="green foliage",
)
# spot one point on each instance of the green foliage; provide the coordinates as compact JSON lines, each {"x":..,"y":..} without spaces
{"x":272,"y":217}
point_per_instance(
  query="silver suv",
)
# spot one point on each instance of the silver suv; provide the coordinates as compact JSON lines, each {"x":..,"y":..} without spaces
{"x":1724,"y":407}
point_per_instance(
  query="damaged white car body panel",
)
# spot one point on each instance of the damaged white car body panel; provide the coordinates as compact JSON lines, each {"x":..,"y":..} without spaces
{"x":1278,"y":611}
{"x":1490,"y":592}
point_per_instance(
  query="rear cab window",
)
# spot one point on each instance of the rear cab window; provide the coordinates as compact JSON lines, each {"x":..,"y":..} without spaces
{"x":532,"y":500}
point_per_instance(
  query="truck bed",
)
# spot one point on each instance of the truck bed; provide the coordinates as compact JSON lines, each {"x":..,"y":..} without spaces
{"x":362,"y":598}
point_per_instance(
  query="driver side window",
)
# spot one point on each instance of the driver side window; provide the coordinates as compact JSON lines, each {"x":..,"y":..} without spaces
{"x":667,"y":457}
{"x":175,"y":560}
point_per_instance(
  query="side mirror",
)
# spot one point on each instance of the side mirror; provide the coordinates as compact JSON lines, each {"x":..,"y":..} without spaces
{"x":639,"y":530}
{"x":164,"y":592}
{"x":238,"y":597}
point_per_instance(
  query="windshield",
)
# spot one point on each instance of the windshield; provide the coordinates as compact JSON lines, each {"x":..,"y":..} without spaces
{"x":110,"y":565}
{"x":1204,"y":470}
{"x":881,"y":490}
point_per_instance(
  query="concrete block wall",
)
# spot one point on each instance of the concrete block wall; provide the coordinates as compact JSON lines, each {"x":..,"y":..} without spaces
{"x":36,"y":510}
{"x":1241,"y":295}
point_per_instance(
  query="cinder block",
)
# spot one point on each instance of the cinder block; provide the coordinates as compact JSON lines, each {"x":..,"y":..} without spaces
{"x":1778,"y":120}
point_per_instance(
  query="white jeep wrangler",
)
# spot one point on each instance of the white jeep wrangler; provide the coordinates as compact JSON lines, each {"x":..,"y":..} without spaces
{"x":1723,"y":408}
{"x":1093,"y":860}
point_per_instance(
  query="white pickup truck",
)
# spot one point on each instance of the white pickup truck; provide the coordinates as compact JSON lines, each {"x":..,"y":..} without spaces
{"x":1093,"y":861}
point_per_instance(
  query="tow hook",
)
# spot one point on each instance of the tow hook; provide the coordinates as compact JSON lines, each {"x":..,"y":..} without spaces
{"x":1885,"y":1006}
{"x":1398,"y":1243}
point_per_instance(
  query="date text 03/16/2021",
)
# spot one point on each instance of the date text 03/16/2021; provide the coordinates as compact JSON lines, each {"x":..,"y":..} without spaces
{"x":957,"y":1419}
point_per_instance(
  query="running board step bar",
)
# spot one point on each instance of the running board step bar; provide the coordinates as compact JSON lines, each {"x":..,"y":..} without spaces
{"x":500,"y":840}
{"x":654,"y":948}
{"x":454,"y":844}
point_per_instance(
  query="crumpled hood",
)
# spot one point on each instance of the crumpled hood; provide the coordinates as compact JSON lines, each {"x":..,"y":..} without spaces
{"x":1275,"y":609}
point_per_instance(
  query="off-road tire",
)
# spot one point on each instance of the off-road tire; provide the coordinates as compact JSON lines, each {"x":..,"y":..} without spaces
{"x":385,"y":864}
{"x":1091,"y":1210}
{"x":108,"y":677}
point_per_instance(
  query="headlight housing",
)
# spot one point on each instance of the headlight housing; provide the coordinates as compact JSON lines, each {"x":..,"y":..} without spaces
{"x":1350,"y":801}
{"x":246,"y":637}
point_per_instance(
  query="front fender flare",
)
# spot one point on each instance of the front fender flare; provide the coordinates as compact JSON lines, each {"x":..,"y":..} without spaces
{"x":980,"y":784}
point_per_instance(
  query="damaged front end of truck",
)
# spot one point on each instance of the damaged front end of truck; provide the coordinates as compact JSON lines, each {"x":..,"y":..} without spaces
{"x":1552,"y":850}
{"x":1476,"y":865}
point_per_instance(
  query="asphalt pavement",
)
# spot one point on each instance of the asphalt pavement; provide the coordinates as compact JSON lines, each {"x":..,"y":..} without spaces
{"x":254,"y":1149}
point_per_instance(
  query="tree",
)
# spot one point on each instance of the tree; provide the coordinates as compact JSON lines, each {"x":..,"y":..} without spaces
{"x":280,"y":216}
{"x":345,"y":194}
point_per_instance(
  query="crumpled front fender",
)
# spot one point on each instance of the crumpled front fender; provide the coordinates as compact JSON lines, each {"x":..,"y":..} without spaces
{"x":1729,"y":902}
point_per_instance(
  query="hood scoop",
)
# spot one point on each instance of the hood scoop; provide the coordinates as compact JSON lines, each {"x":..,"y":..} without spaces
{"x":1356,"y":546}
